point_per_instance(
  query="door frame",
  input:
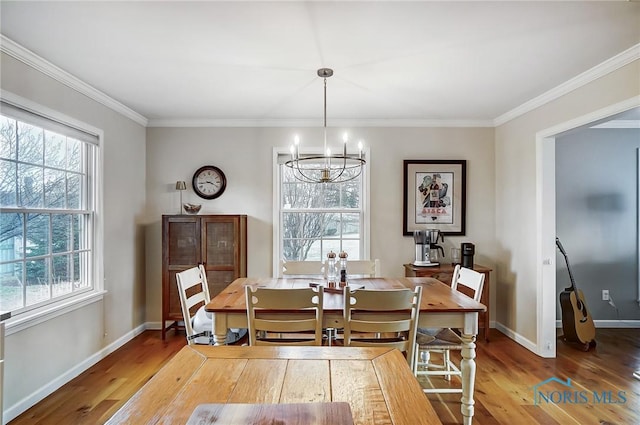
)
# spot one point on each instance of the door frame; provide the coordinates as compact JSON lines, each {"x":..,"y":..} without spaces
{"x":546,"y":220}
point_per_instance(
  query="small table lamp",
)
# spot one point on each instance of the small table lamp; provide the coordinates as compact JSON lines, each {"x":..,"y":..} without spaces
{"x":181,"y":186}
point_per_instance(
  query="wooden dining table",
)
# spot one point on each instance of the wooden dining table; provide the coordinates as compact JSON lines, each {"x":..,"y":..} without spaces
{"x":241,"y":385}
{"x":441,"y":307}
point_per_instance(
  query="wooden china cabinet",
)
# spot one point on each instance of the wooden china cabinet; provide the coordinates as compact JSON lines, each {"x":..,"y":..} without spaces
{"x":217,"y":241}
{"x":444,"y":273}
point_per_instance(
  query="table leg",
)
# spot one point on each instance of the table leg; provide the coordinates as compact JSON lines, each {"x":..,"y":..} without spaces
{"x":468,"y":369}
{"x":220,"y":328}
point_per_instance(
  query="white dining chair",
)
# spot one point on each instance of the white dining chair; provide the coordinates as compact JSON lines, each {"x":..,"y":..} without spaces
{"x":193,"y":291}
{"x":266,"y":328}
{"x":363,"y":268}
{"x":393,"y":314}
{"x":445,"y":340}
{"x":290,"y":268}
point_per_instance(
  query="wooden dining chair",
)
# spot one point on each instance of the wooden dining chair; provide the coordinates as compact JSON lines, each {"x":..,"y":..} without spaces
{"x":445,"y":340}
{"x":193,"y":291}
{"x":194,"y":295}
{"x":269,"y":326}
{"x":392,"y":314}
{"x":301,"y":268}
{"x":363,"y":268}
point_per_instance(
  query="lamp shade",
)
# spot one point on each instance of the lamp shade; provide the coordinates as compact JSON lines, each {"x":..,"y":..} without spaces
{"x":181,"y":185}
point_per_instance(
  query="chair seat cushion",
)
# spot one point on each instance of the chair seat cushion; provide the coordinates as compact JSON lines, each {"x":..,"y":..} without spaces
{"x":202,"y":321}
{"x":439,"y":338}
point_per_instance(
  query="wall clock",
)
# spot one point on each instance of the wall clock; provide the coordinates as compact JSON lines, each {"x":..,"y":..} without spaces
{"x":209,"y":182}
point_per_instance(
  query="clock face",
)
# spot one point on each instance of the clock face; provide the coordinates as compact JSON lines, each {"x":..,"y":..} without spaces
{"x":209,"y":182}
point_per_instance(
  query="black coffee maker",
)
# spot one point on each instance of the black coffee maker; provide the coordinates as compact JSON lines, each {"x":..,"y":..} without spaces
{"x":467,"y":251}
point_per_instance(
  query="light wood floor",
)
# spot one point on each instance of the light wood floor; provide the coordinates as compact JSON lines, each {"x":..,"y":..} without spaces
{"x":504,"y":393}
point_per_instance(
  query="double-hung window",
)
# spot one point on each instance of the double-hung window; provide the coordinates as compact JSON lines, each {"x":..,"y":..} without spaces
{"x":315,"y":218}
{"x":48,"y":200}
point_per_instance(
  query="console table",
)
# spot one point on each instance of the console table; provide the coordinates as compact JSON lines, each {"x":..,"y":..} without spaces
{"x":444,"y":273}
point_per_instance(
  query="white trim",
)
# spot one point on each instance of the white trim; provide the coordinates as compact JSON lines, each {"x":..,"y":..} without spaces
{"x":545,"y":244}
{"x":52,"y":114}
{"x":186,"y":122}
{"x":627,"y":324}
{"x":598,"y":71}
{"x":36,"y":62}
{"x":21,"y":406}
{"x":526,"y":343}
{"x":275,"y":272}
{"x":619,"y":124}
{"x":56,"y":308}
{"x":24,"y":321}
{"x":546,"y":223}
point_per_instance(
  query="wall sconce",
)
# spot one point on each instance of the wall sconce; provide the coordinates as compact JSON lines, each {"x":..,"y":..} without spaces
{"x":181,"y":186}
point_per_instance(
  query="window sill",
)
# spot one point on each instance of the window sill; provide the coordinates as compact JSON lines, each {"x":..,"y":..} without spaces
{"x":24,"y":321}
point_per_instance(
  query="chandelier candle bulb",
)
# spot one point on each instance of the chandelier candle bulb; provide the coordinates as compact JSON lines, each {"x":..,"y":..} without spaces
{"x":325,"y":167}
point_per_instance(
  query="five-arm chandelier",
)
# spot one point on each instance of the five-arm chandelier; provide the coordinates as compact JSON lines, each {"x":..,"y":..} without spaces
{"x":325,"y":168}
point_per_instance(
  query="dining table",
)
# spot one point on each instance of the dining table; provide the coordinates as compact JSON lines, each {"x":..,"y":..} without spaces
{"x":242,"y":385}
{"x":441,"y":307}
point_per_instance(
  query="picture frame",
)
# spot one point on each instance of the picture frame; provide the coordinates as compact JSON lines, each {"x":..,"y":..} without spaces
{"x":435,"y":193}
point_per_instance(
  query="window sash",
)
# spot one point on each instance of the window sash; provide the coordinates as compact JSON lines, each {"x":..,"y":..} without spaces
{"x":65,"y":272}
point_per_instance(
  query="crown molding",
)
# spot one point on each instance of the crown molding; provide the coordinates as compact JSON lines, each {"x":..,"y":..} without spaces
{"x":186,"y":122}
{"x":625,"y":124}
{"x":606,"y":67}
{"x":31,"y":59}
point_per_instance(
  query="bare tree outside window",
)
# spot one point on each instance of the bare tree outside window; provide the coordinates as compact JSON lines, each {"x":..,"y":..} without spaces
{"x":319,"y":217}
{"x":43,"y":215}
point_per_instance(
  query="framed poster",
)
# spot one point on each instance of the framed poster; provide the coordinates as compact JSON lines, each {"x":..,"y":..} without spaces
{"x":434,"y":196}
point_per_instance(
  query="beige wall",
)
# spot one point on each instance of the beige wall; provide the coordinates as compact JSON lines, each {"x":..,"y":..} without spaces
{"x":516,"y":225}
{"x":245,"y":155}
{"x":35,"y":357}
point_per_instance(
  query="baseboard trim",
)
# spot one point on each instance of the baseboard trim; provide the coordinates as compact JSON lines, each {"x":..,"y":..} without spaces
{"x":526,"y":343}
{"x":610,"y":324}
{"x":20,"y":407}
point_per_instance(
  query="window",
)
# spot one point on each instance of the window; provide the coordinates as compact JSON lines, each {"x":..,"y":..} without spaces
{"x":317,"y":218}
{"x":48,"y":203}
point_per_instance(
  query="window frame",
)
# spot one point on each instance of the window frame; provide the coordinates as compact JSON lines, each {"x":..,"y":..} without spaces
{"x":42,"y":312}
{"x":279,"y":152}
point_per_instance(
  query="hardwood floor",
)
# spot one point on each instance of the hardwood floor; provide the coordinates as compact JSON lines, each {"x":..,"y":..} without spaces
{"x":504,"y":393}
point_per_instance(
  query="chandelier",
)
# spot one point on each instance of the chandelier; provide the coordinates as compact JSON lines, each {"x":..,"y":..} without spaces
{"x":326,"y":168}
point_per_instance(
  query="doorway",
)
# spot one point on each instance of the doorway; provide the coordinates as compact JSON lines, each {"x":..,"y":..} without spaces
{"x":546,"y":218}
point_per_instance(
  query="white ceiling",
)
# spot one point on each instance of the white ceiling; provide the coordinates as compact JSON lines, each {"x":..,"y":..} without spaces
{"x":403,"y":62}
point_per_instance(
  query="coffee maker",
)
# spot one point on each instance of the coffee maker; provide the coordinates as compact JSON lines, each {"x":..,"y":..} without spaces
{"x":426,"y":241}
{"x":435,"y":249}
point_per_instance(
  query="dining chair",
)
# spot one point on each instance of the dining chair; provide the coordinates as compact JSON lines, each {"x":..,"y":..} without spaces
{"x":193,"y":291}
{"x":269,"y":326}
{"x":361,"y":268}
{"x":445,"y":340}
{"x":301,"y":268}
{"x":393,"y":314}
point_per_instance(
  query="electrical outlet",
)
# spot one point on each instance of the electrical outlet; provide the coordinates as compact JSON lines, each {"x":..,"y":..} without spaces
{"x":605,"y":295}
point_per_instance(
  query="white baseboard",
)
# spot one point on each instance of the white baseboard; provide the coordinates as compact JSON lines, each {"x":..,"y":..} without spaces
{"x":526,"y":343}
{"x":610,"y":324}
{"x":153,"y":326}
{"x":13,"y":411}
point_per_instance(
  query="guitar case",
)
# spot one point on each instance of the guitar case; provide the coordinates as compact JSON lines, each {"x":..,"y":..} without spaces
{"x":577,"y":325}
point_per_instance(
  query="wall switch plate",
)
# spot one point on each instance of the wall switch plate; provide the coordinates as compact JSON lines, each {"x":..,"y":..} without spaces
{"x":605,"y":295}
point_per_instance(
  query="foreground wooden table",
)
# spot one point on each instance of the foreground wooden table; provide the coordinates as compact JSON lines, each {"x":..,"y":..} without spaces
{"x":441,"y":307}
{"x":376,"y":382}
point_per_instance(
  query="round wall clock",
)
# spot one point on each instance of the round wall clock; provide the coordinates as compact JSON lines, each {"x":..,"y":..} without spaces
{"x":209,"y":182}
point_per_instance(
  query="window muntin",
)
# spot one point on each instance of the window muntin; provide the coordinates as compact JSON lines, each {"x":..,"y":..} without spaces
{"x":317,"y":218}
{"x":47,"y":211}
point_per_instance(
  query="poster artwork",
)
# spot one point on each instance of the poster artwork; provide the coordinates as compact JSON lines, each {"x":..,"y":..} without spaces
{"x":433,"y":197}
